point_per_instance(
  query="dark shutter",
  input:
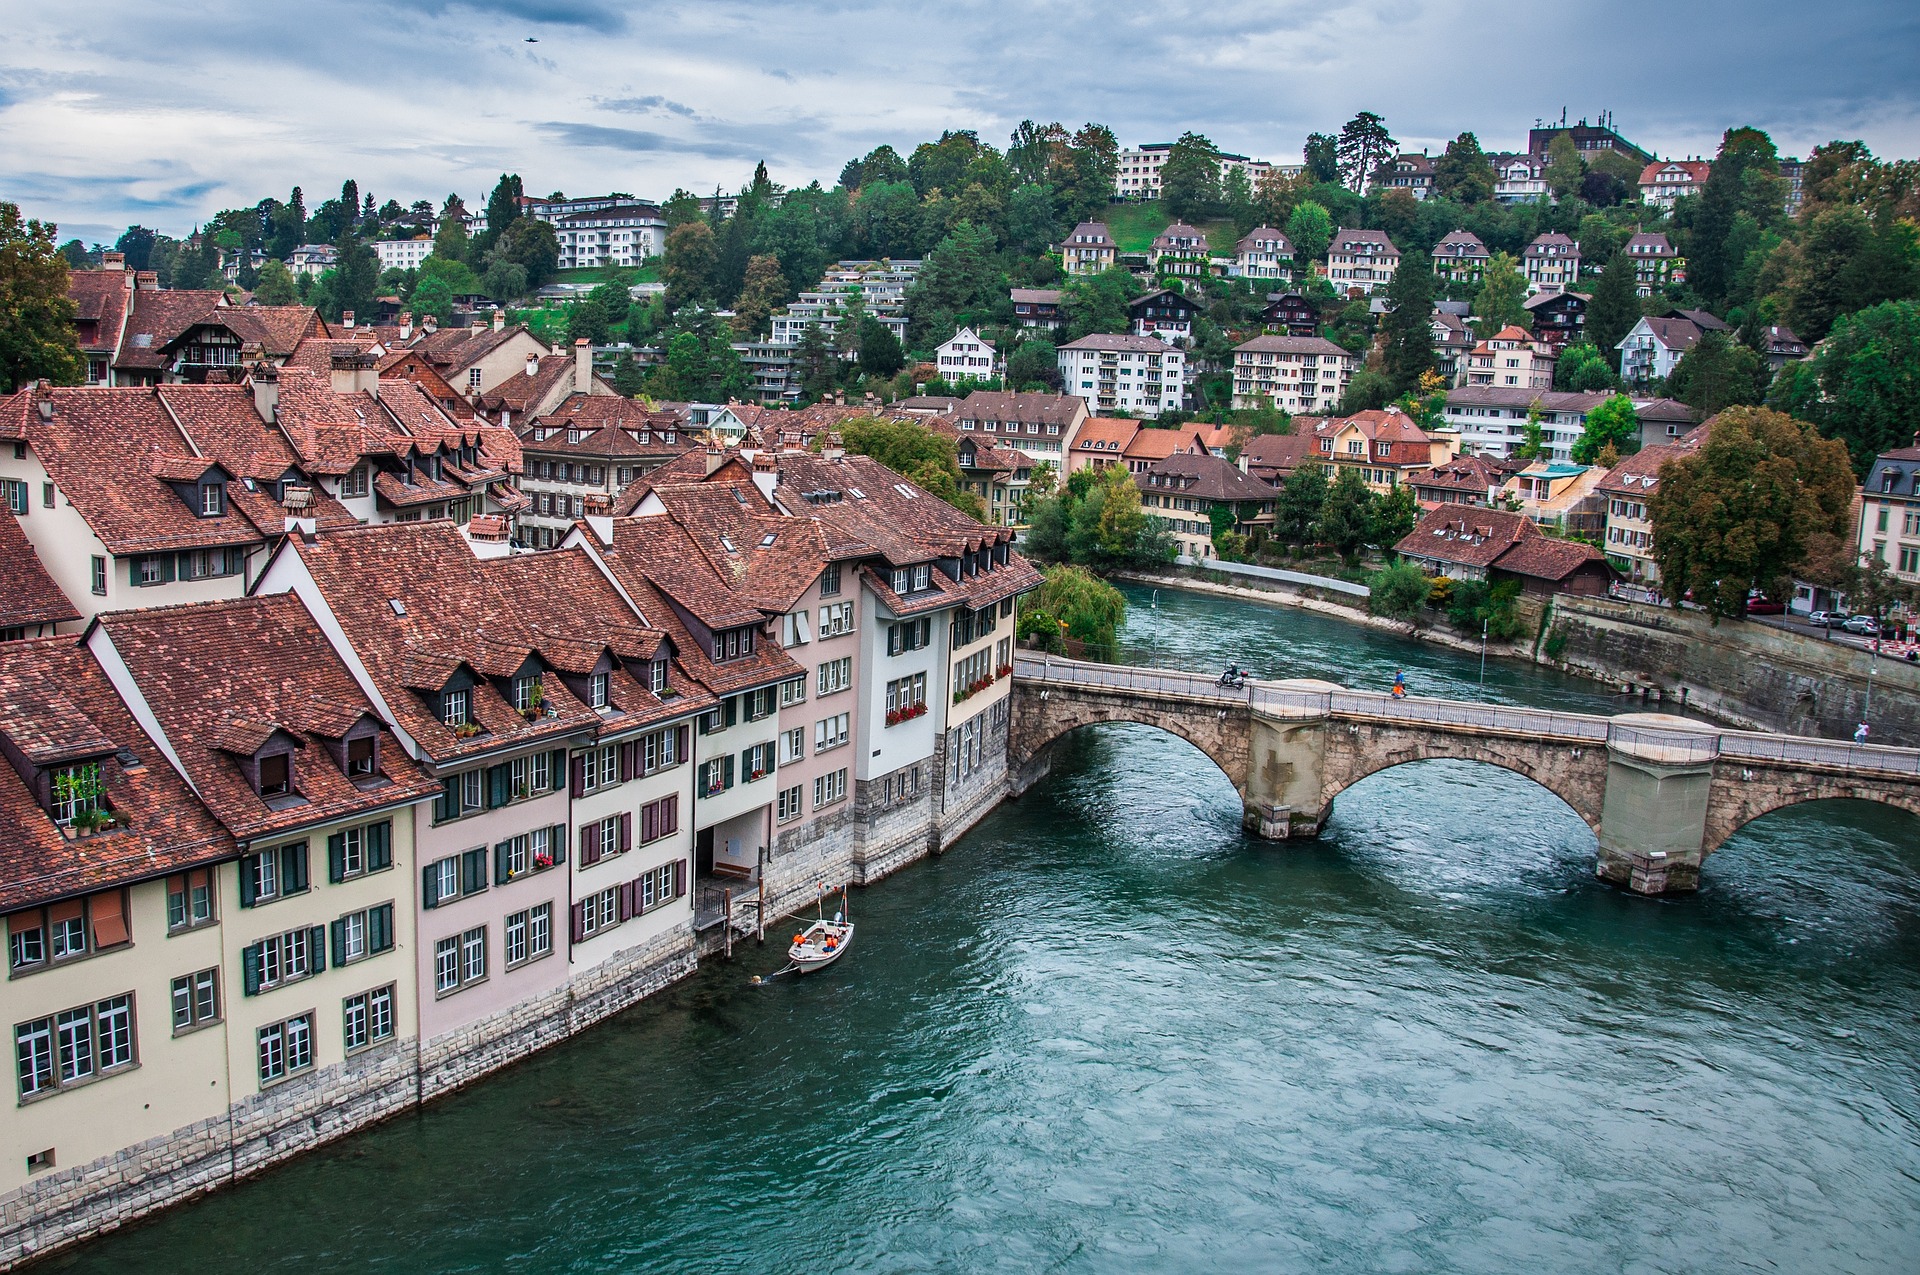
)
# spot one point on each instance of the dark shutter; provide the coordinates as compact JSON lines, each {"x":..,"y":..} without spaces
{"x":501,"y":873}
{"x":732,"y":717}
{"x":679,"y":878}
{"x":626,"y":762}
{"x":293,"y":868}
{"x":626,"y":832}
{"x":337,"y":857}
{"x":473,"y":870}
{"x":429,"y":880}
{"x":579,"y":922}
{"x":557,"y":764}
{"x":380,"y":928}
{"x":380,"y":845}
{"x":447,"y":805}
{"x":726,"y":780}
{"x":626,"y":901}
{"x":250,"y":969}
{"x":589,"y":844}
{"x":246,"y":880}
{"x":669,"y":820}
{"x":497,"y":780}
{"x":649,"y":819}
{"x":577,"y":776}
{"x":317,"y":946}
{"x":557,"y":841}
{"x":339,"y":929}
{"x":685,"y":750}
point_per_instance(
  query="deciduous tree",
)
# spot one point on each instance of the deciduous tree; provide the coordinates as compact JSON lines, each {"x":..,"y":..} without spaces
{"x":1501,"y":301}
{"x":1718,"y":372}
{"x":36,"y":316}
{"x":1862,"y":384}
{"x":1190,"y":178}
{"x":1310,"y":230}
{"x":1612,"y":424}
{"x":1464,"y":174}
{"x":1614,"y":310}
{"x":275,"y":286}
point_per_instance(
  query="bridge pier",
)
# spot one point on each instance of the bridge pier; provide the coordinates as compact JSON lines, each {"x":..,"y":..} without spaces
{"x":1284,"y":796}
{"x":1653,"y":818}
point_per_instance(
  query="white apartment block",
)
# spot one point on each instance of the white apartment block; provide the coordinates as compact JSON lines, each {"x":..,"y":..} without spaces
{"x":402,"y":254}
{"x":616,"y":235}
{"x":1138,"y":174}
{"x":1125,"y":373}
{"x":1294,"y":373}
{"x":1361,"y":262}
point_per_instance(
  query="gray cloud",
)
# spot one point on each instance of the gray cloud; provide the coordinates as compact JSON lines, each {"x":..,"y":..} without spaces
{"x":133,"y":116}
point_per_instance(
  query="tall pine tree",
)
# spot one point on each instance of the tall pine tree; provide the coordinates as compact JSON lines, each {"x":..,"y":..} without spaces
{"x":1407,"y":329}
{"x":1615,"y":308}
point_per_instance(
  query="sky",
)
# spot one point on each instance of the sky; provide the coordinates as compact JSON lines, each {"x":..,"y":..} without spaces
{"x":116,"y":112}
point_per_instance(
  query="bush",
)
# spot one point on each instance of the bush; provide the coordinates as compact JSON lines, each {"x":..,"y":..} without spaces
{"x":1399,"y":591}
{"x":1556,"y":644}
{"x":1441,"y":593}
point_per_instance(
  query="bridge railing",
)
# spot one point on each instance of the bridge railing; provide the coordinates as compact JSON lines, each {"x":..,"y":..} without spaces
{"x":1683,"y":745}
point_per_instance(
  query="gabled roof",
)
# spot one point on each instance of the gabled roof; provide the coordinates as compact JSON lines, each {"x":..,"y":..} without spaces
{"x":56,"y":703}
{"x":1550,"y":300}
{"x":101,"y":298}
{"x":1547,"y":558}
{"x":1121,"y":341}
{"x":277,"y":329}
{"x":1471,"y":537}
{"x":28,"y":595}
{"x":1675,"y":334}
{"x":1105,"y":434}
{"x":1181,"y":230}
{"x":1639,"y":473}
{"x":1551,"y":239}
{"x":1274,"y":453}
{"x":223,"y":678}
{"x":1291,"y":345}
{"x":1461,"y":243}
{"x":1695,"y":170}
{"x":607,"y":427}
{"x":1044,"y":409}
{"x":158,"y":317}
{"x":1468,"y":473}
{"x":1251,"y":241}
{"x":1345,"y":240}
{"x":1377,"y":425}
{"x":1151,"y":444}
{"x":1649,"y":244}
{"x":1205,"y":476}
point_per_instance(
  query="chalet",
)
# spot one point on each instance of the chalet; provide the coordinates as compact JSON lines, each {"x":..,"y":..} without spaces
{"x":1037,"y":308}
{"x":1460,"y":257}
{"x":1411,"y":173}
{"x":1165,"y":314}
{"x":1559,"y":317}
{"x":1290,"y":314}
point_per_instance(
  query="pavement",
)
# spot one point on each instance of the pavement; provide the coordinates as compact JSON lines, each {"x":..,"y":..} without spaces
{"x":1795,"y":624}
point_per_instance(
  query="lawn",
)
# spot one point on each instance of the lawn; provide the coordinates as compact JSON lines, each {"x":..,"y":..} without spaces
{"x":648,"y":273}
{"x":1135,"y":226}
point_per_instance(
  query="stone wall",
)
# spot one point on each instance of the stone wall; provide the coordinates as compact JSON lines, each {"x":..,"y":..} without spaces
{"x":1743,"y":672}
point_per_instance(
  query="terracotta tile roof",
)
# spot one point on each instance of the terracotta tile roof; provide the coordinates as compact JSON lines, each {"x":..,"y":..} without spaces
{"x":1473,"y":474}
{"x":224,"y":426}
{"x":100,"y":301}
{"x":1105,"y":435}
{"x":1639,"y":473}
{"x":57,"y":704}
{"x":223,"y":678}
{"x":101,"y":448}
{"x":521,"y":393}
{"x":1157,"y":444}
{"x":455,"y":613}
{"x":1272,"y":456}
{"x":1545,"y":558}
{"x":316,"y":354}
{"x":277,"y":329}
{"x":1291,"y":345}
{"x":1044,"y":409}
{"x":1469,"y":537}
{"x":757,"y":552}
{"x":28,"y":594}
{"x":158,"y":317}
{"x":1207,"y":477}
{"x":1696,"y":170}
{"x":691,"y":466}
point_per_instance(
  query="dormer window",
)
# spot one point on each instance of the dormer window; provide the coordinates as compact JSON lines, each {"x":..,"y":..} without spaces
{"x":454,"y":706}
{"x":657,"y":676}
{"x":213,"y":499}
{"x":276,"y":774}
{"x":526,"y":692}
{"x":77,"y":795}
{"x":597,"y":690}
{"x":360,"y":756}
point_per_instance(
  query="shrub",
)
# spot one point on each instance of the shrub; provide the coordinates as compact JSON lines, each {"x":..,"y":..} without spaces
{"x":1399,"y":591}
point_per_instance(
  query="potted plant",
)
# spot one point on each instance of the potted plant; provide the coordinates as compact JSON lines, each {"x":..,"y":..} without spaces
{"x":536,"y":700}
{"x":543,"y":861}
{"x":466,"y":730}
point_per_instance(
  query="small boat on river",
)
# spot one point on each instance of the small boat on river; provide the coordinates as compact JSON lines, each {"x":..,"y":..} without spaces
{"x":823,"y":942}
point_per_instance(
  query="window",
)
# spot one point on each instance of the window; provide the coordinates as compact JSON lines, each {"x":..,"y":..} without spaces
{"x":716,"y":776}
{"x":830,"y":732}
{"x":909,"y":635}
{"x":473,"y":378}
{"x":76,"y":790}
{"x":529,"y":935}
{"x":276,"y":774}
{"x":279,"y":959}
{"x":793,"y":745}
{"x":360,"y":756}
{"x":454,"y":707}
{"x":196,"y":1000}
{"x":472,"y":792}
{"x":534,"y":851}
{"x":828,"y":789}
{"x":756,"y":762}
{"x":906,"y":695}
{"x":657,"y":750}
{"x":793,"y":691}
{"x":453,"y":877}
{"x":603,"y":838}
{"x":733,"y":644}
{"x":794,"y":629}
{"x":830,"y":580}
{"x":16,"y":492}
{"x":190,"y":899}
{"x":596,"y":768}
{"x":598,"y":912}
{"x":525,"y":696}
{"x":361,"y":934}
{"x":273,"y":874}
{"x":368,"y":1018}
{"x":759,"y":704}
{"x":286,"y":1048}
{"x":659,"y":818}
{"x":213,"y":500}
{"x":836,"y":619}
{"x":836,"y":675}
{"x":355,"y":483}
{"x":597,"y":690}
{"x":460,"y":960}
{"x":788,"y":806}
{"x":657,"y":677}
{"x":74,"y":1046}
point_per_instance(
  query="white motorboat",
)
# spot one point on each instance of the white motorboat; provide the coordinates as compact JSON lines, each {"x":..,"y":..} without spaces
{"x":820,"y":944}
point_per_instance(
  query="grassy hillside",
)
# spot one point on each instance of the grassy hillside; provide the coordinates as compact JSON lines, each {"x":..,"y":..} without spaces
{"x":1135,"y":226}
{"x":648,"y":273}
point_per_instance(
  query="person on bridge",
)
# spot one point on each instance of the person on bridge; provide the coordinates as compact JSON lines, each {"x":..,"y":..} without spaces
{"x":1399,"y":684}
{"x":1860,"y":735}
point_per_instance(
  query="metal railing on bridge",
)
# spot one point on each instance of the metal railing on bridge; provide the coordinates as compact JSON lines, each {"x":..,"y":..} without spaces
{"x":1689,"y":744}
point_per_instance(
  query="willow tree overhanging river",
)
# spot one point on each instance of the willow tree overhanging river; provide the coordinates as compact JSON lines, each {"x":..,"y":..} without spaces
{"x":1106,"y":1032}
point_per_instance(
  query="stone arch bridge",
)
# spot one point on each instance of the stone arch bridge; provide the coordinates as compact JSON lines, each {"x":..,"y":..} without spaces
{"x":1660,"y":792}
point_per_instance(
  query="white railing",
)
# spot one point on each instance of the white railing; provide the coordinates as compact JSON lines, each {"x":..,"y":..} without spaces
{"x":1680,"y":744}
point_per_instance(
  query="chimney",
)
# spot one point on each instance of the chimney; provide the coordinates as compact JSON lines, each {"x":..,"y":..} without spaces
{"x":406,"y":324}
{"x":113,"y":261}
{"x":583,"y":366}
{"x":477,"y":326}
{"x":499,"y":319}
{"x":354,"y":373}
{"x":346,"y":318}
{"x":43,"y":395}
{"x":715,"y":458}
{"x":533,"y":365}
{"x":147,"y":281}
{"x":430,"y":324}
{"x":266,"y":392}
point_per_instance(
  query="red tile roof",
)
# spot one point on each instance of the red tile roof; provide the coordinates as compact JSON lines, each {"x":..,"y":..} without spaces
{"x":100,"y":299}
{"x":157,"y":318}
{"x":28,"y":595}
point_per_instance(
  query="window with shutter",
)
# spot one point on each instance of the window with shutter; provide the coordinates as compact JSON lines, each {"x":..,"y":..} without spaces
{"x":380,"y":846}
{"x":626,"y":832}
{"x":589,"y":844}
{"x":473,"y":871}
{"x":558,"y":843}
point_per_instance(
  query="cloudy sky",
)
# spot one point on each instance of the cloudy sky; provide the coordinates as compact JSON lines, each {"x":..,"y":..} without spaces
{"x":121,"y":112}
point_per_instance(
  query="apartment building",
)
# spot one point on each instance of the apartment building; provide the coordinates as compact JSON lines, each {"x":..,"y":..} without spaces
{"x":1662,"y":182}
{"x":1510,"y":359}
{"x":1089,"y":249}
{"x":1182,"y":492}
{"x":1263,"y":253}
{"x":402,"y":254}
{"x":1384,"y":445}
{"x":1492,"y":419}
{"x":617,"y":234}
{"x":1361,"y":262}
{"x":1551,"y":262}
{"x":1461,"y":257}
{"x":1180,"y":249}
{"x":1296,"y":373}
{"x":1656,"y":262}
{"x":1137,"y":175}
{"x":1041,"y":425}
{"x":1890,"y":512}
{"x":1122,"y":372}
{"x":1655,"y":347}
{"x":585,"y":453}
{"x":965,"y":356}
{"x":1628,"y":490}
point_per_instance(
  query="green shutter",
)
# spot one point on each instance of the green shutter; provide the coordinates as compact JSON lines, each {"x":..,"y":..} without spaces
{"x":317,"y":944}
{"x":293,"y":868}
{"x":733,"y":710}
{"x":557,"y":843}
{"x":559,"y":767}
{"x":339,"y":929}
{"x":473,"y":870}
{"x":337,"y":858}
{"x":380,"y":845}
{"x":380,"y":928}
{"x":501,"y":875}
{"x":246,"y":880}
{"x":428,"y":880}
{"x":250,"y":969}
{"x":497,"y":791}
{"x":726,"y":780}
{"x":446,"y":806}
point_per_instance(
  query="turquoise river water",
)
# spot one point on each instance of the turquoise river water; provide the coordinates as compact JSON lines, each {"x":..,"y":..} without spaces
{"x":1108,"y":1033}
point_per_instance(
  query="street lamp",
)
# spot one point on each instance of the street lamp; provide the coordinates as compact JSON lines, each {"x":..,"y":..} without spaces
{"x":1483,"y":654}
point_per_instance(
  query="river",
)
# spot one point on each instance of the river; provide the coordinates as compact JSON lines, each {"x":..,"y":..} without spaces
{"x":1108,"y":1033}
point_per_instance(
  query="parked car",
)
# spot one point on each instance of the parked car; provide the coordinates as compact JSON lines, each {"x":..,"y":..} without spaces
{"x":1864,"y":625}
{"x":1826,"y":619}
{"x":1765,"y":606}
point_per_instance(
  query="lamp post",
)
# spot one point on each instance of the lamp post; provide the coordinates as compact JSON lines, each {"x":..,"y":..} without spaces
{"x":1483,"y":655}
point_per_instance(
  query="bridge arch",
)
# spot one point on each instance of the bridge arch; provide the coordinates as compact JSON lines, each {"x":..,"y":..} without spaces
{"x":1571,"y":793}
{"x":1220,"y":732}
{"x":1575,"y":773}
{"x":1741,"y":802}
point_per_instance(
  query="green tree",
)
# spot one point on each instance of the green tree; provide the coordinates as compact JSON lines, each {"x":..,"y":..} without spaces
{"x":1036,"y":362}
{"x":1614,"y":310}
{"x":1464,"y":174}
{"x":1406,"y":331}
{"x":1364,"y":145}
{"x":688,"y":265}
{"x":503,"y":209}
{"x":880,"y":353}
{"x":136,"y":243}
{"x":628,"y":379}
{"x":1031,"y":223}
{"x":765,"y":288}
{"x":1190,"y":178}
{"x":505,"y":280}
{"x":1862,"y":384}
{"x":1366,"y":391}
{"x":451,"y":240}
{"x":1718,"y":372}
{"x":1090,"y":608}
{"x":531,"y":244}
{"x":887,"y":218}
{"x":1399,"y":592}
{"x":815,"y":364}
{"x":1049,"y":518}
{"x":1322,"y":156}
{"x":1582,"y":369}
{"x":1564,"y":169}
{"x":1345,"y":514}
{"x":354,"y":282}
{"x":37,"y":339}
{"x":1738,"y":513}
{"x":1390,"y":517}
{"x":1846,"y":261}
{"x":1302,"y":496}
{"x":1742,"y":150}
{"x":1310,"y":230}
{"x":275,"y":286}
{"x":1098,"y":303}
{"x":959,"y":282}
{"x":589,"y":320}
{"x":1501,"y":301}
{"x":1610,"y":424}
